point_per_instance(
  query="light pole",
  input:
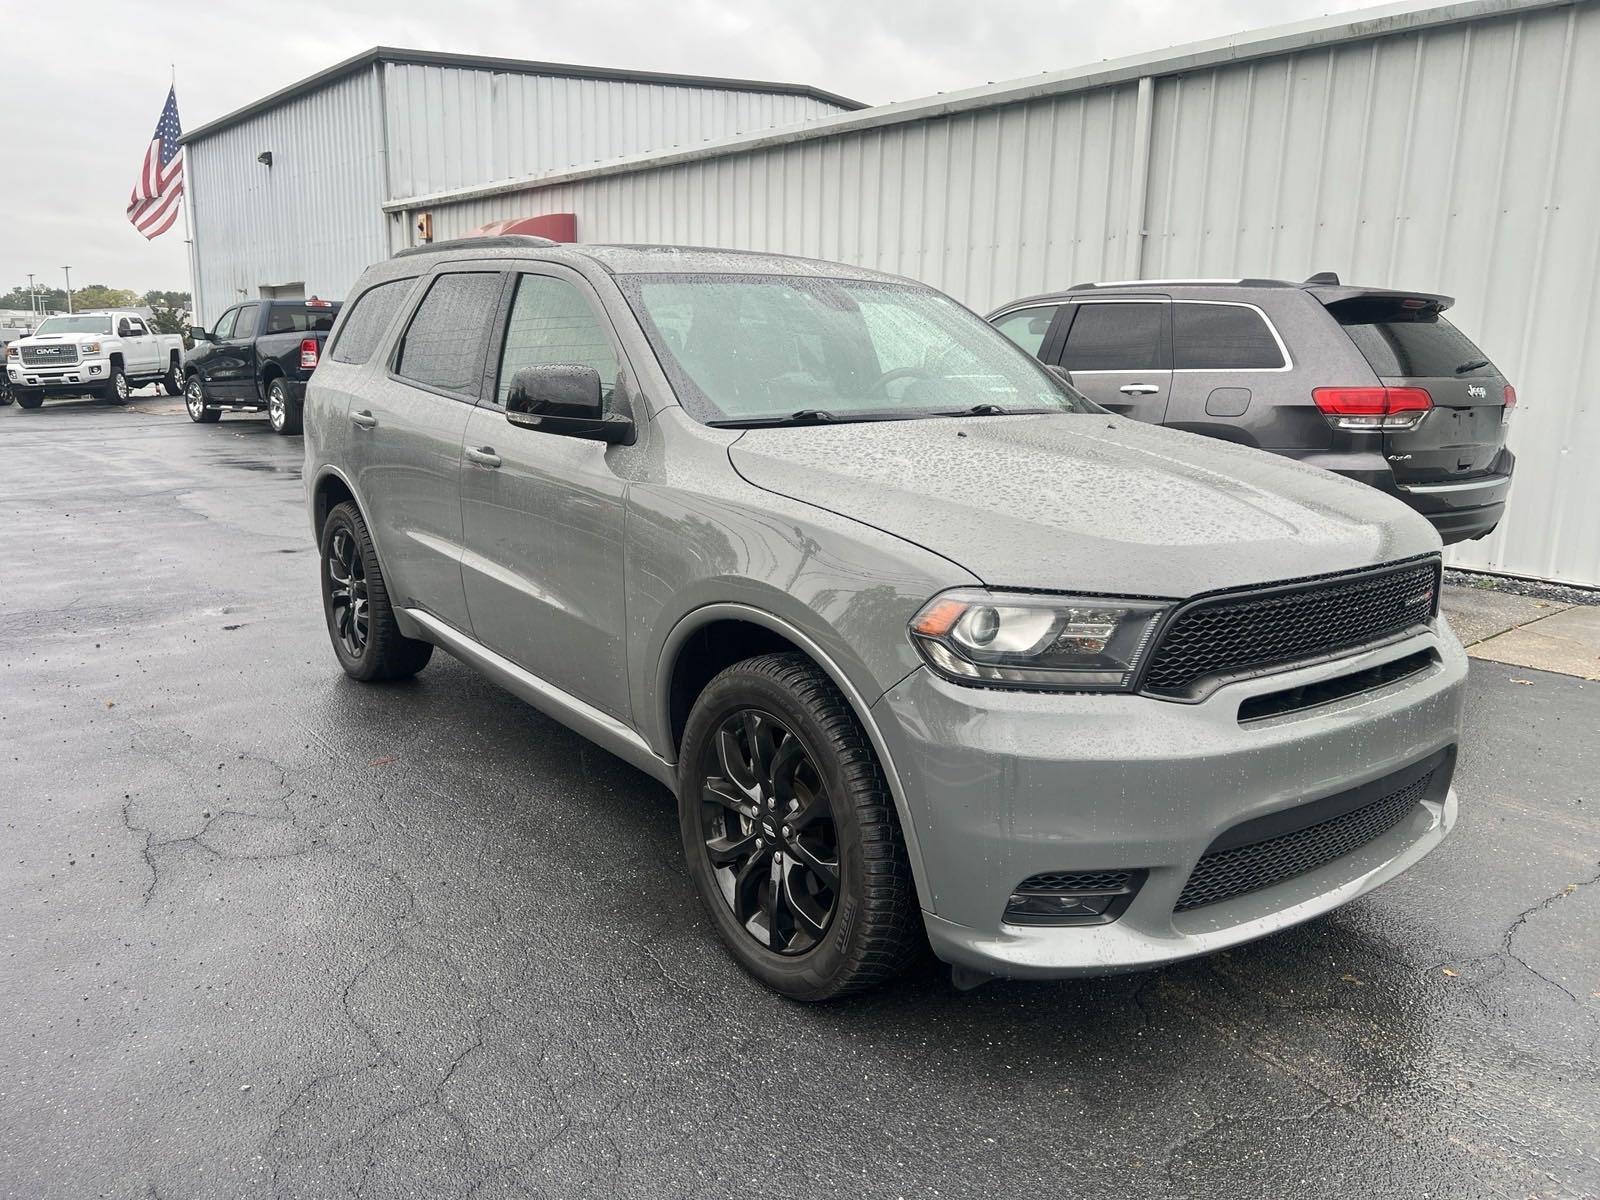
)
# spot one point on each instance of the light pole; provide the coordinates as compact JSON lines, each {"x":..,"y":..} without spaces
{"x":33,"y":302}
{"x":68,"y":270}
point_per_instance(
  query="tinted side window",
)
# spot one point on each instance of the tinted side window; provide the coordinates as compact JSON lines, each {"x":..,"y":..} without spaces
{"x":136,"y":328}
{"x":551,"y":324}
{"x":1222,"y":337}
{"x":1027,"y":327}
{"x":1420,"y":345}
{"x":443,"y":346}
{"x":369,"y":316}
{"x":1115,"y":337}
{"x":224,"y":327}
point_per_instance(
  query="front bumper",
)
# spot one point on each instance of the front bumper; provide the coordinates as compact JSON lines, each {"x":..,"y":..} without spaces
{"x":1005,"y":785}
{"x":75,"y":377}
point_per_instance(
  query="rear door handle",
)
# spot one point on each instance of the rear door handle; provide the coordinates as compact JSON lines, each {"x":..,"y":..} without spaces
{"x":364,"y":419}
{"x":483,"y":457}
{"x":1139,"y":389}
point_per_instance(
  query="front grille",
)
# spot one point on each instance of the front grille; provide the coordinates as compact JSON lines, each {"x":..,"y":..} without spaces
{"x":1251,"y":632}
{"x":63,"y":354}
{"x":1224,"y":874}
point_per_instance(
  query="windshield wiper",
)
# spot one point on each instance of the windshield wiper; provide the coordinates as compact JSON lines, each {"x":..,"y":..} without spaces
{"x":996,"y":410}
{"x":806,"y":416}
{"x":1472,"y":364}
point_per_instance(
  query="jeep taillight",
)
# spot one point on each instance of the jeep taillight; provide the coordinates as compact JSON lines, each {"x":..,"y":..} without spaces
{"x":1360,"y":408}
{"x":308,"y":354}
{"x":1511,"y":403}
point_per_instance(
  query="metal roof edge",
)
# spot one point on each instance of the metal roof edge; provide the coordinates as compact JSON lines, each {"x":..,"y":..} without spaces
{"x":1382,"y":21}
{"x":437,"y":58}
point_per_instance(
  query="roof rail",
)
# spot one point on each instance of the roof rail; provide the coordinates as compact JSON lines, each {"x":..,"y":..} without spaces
{"x":501,"y":241}
{"x":1148,"y":283}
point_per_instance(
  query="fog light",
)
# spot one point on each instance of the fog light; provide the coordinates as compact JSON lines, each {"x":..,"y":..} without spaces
{"x":94,"y":370}
{"x":1073,"y":897}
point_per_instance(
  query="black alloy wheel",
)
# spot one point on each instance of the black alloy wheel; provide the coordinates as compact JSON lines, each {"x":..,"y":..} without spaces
{"x":768,"y":828}
{"x":347,"y":592}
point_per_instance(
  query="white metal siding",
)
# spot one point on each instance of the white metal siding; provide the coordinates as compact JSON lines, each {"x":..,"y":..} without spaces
{"x":1459,"y":159}
{"x":454,"y":127}
{"x":314,"y":215}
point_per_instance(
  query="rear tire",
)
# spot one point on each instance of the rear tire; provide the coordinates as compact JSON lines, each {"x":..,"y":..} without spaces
{"x":27,"y":399}
{"x":814,"y":906}
{"x":172,"y":381}
{"x":361,"y":624}
{"x":283,"y":410}
{"x":194,"y":399}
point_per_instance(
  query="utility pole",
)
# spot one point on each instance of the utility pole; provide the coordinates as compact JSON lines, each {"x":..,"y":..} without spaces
{"x":33,"y":299}
{"x":68,"y":270}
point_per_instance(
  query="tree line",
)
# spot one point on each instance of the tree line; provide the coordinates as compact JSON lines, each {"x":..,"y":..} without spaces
{"x":167,"y":307}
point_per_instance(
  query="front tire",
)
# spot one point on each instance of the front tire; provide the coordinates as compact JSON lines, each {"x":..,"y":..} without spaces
{"x":27,"y":399}
{"x":790,"y":832}
{"x":283,"y":410}
{"x":361,"y":623}
{"x":194,"y":399}
{"x":117,"y":389}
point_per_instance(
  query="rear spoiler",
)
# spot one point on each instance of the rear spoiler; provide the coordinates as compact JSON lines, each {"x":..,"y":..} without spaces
{"x":1333,"y":294}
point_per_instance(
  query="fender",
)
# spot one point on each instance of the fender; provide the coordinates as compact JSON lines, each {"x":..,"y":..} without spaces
{"x":695,"y":619}
{"x":402,"y":616}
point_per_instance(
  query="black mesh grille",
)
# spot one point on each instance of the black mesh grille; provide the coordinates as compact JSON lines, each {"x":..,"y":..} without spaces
{"x":1054,"y":882}
{"x":1225,"y":874}
{"x":1250,"y":632}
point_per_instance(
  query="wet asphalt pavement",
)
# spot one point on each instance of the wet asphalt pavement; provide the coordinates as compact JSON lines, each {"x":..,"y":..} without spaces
{"x":269,"y":932}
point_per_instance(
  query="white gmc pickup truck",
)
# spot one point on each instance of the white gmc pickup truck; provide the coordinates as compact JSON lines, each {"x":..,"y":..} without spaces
{"x":105,"y":354}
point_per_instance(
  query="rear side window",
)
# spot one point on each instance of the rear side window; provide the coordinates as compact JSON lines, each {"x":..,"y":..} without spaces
{"x":1222,"y":337}
{"x":444,"y":344}
{"x":1414,"y":344}
{"x":286,"y":318}
{"x":1027,"y":327}
{"x":368,"y":318}
{"x":1115,"y":337}
{"x":553,"y":325}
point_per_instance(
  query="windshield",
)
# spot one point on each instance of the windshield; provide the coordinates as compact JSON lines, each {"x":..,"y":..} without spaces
{"x":743,"y":349}
{"x":83,"y":324}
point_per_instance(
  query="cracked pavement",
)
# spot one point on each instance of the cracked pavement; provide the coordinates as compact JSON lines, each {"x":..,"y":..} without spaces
{"x":269,"y":933}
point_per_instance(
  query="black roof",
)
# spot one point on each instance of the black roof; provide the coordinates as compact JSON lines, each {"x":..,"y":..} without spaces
{"x":519,"y":66}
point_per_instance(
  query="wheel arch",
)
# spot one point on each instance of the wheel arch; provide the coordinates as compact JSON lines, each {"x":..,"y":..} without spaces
{"x":675,"y":668}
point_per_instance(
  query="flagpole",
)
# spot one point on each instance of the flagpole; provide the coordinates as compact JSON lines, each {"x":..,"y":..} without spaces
{"x":195,"y":318}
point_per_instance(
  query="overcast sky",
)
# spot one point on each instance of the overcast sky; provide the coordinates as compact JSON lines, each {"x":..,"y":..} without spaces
{"x":76,"y":123}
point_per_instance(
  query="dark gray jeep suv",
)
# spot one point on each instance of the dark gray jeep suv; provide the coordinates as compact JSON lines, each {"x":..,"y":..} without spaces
{"x":1370,"y":383}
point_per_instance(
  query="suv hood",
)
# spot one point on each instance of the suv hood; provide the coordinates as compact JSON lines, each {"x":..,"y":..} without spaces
{"x":1070,"y":502}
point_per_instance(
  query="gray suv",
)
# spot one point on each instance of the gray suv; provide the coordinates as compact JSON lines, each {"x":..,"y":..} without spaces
{"x":1372,"y":383}
{"x":930,"y":649}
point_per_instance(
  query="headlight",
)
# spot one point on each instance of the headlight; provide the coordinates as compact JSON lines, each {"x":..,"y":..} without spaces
{"x":90,"y":348}
{"x":1065,"y":643}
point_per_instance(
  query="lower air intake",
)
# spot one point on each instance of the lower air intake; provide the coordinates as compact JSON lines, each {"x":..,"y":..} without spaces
{"x":1223,"y":874}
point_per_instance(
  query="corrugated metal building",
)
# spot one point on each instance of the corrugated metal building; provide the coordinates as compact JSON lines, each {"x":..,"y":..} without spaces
{"x":1447,"y":148}
{"x":391,"y":123}
{"x":1440,"y":148}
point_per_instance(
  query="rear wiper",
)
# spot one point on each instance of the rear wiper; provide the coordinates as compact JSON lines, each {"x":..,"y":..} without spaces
{"x":1472,"y":364}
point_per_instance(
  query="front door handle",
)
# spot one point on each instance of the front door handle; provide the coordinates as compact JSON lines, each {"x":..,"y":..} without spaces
{"x":484,"y":457}
{"x":364,"y":419}
{"x":1139,"y":389}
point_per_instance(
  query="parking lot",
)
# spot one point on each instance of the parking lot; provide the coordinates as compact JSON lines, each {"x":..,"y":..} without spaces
{"x":275,"y":933}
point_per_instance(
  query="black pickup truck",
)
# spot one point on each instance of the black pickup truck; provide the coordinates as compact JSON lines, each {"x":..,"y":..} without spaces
{"x":257,"y":356}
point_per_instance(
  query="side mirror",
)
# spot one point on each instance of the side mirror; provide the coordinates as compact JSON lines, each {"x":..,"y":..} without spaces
{"x":200,"y":333}
{"x":124,"y":329}
{"x":564,"y":399}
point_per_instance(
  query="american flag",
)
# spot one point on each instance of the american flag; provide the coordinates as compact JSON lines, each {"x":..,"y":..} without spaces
{"x":153,"y":207}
